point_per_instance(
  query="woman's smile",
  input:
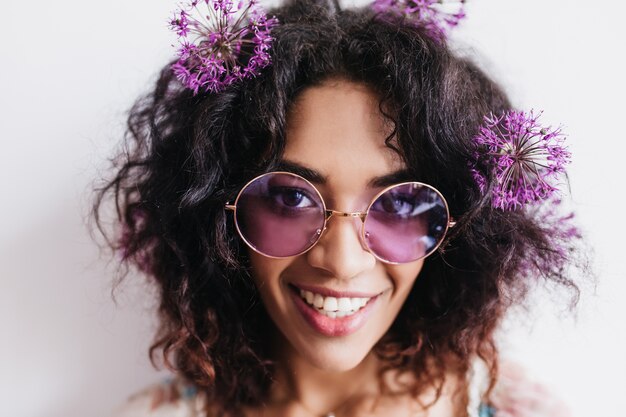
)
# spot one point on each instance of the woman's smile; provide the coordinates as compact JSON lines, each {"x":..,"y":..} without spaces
{"x":339,"y":314}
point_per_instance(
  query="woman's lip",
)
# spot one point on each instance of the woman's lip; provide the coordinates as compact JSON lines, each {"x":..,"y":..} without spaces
{"x":340,"y":326}
{"x":327,"y":292}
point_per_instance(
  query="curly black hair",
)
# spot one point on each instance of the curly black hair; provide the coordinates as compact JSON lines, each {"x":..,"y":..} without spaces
{"x":185,"y":155}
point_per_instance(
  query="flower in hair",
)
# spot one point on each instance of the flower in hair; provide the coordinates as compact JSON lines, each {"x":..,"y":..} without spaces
{"x":220,"y":42}
{"x":436,"y":16}
{"x":526,"y":160}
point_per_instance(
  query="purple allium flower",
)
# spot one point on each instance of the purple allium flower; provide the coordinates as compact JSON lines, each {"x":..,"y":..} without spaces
{"x":436,"y":16}
{"x":526,"y":160}
{"x":221,"y":41}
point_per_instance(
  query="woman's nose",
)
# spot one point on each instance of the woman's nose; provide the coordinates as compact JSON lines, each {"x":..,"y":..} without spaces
{"x":340,"y":251}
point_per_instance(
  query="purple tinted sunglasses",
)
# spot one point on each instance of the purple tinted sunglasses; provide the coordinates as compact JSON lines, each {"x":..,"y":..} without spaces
{"x":281,"y":214}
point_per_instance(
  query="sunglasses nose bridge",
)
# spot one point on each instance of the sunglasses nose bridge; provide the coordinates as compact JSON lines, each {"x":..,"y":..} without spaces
{"x":361,"y":215}
{"x":330,"y":213}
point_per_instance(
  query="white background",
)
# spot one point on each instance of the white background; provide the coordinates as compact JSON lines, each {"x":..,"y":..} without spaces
{"x":70,"y":69}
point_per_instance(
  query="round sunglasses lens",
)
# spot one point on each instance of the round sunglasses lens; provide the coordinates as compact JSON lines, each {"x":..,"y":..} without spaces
{"x":280,"y":214}
{"x":406,"y":223}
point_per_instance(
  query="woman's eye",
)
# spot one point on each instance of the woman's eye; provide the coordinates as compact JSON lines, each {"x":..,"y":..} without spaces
{"x":291,"y":197}
{"x":396,"y":204}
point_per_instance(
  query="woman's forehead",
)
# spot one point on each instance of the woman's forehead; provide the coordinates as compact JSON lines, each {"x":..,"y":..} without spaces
{"x":337,"y":130}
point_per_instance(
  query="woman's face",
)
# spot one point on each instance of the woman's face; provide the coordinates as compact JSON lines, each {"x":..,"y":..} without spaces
{"x":336,"y":130}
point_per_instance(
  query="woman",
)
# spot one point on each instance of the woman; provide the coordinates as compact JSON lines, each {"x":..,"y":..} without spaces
{"x":318,"y":203}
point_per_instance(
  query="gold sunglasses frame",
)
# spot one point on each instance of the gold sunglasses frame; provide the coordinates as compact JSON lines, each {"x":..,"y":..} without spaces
{"x":328,"y":213}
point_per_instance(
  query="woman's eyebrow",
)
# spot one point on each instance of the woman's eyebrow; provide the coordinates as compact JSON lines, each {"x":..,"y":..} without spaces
{"x":307,"y":173}
{"x":392,"y":178}
{"x":318,"y":178}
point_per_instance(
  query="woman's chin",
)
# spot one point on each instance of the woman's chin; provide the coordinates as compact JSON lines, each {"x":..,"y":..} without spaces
{"x":336,"y":359}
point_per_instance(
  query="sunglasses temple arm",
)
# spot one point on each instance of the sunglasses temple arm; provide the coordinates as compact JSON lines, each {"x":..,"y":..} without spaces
{"x":230,"y":207}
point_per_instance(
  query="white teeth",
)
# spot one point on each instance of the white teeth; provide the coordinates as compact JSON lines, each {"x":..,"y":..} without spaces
{"x":358,"y":302}
{"x":334,"y":307}
{"x":318,"y":301}
{"x":344,"y":304}
{"x":330,"y":304}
